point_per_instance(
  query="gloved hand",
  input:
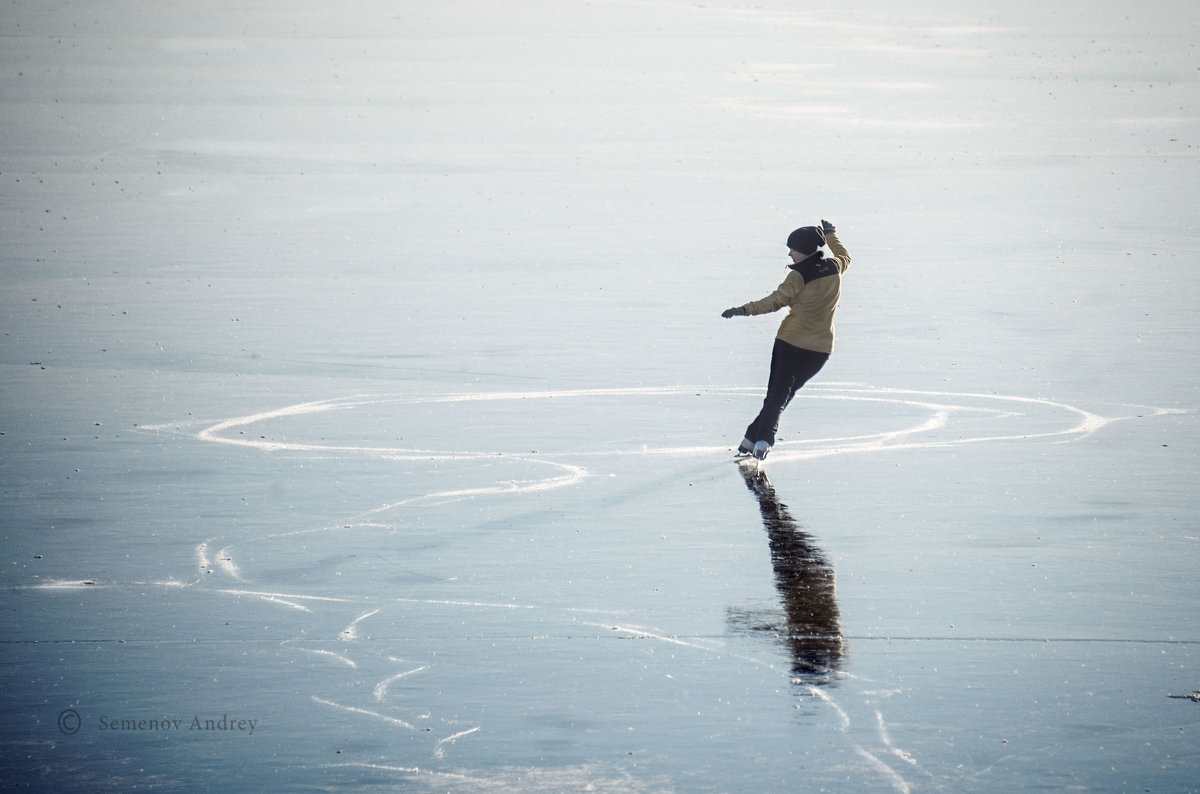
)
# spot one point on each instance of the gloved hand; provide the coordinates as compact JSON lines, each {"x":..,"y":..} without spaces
{"x":828,"y":227}
{"x":739,"y":311}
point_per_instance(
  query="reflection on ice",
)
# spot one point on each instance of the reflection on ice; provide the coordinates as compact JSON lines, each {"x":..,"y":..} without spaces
{"x":806,"y":582}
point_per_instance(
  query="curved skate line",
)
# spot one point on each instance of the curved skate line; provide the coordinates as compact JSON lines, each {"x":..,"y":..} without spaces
{"x":942,"y":407}
{"x":1086,"y":424}
{"x":570,"y":474}
{"x":567,"y":474}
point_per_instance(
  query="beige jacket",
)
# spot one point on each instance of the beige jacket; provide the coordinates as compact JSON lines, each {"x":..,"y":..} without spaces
{"x":811,"y":290}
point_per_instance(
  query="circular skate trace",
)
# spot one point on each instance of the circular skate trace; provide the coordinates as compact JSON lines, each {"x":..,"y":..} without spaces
{"x":948,"y":419}
{"x":885,"y":420}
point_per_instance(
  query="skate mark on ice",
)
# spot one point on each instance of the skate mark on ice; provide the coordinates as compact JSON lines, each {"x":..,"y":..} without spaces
{"x":893,"y":777}
{"x":945,"y":408}
{"x":440,"y":748}
{"x":381,"y":689}
{"x":351,"y":631}
{"x":366,"y":712}
{"x":346,"y":660}
{"x":922,"y":419}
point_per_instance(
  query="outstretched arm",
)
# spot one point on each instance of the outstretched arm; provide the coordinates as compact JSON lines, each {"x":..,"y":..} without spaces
{"x":782,"y":296}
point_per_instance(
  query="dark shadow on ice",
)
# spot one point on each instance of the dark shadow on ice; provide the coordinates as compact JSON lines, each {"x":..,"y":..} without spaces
{"x":809,"y":625}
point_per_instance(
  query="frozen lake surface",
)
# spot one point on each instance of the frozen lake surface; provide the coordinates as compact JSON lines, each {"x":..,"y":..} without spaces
{"x":367,"y":417}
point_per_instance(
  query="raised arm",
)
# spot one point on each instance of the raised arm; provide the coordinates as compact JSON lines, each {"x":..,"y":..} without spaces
{"x":838,"y":251}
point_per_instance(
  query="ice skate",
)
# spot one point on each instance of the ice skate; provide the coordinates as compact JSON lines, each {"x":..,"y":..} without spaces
{"x":761,"y":449}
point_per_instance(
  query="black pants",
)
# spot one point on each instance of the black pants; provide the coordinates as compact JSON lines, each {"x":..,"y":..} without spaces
{"x":791,"y":367}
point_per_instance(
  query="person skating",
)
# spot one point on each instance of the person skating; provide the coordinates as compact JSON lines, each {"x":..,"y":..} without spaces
{"x":805,"y":339}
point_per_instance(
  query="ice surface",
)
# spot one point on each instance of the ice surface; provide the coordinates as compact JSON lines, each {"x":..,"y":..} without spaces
{"x":364,"y":378}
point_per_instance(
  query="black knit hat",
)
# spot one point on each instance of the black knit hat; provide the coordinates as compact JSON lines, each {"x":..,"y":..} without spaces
{"x":806,"y":239}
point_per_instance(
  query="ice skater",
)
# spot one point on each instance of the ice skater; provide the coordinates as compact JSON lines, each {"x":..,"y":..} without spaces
{"x":805,"y":338}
